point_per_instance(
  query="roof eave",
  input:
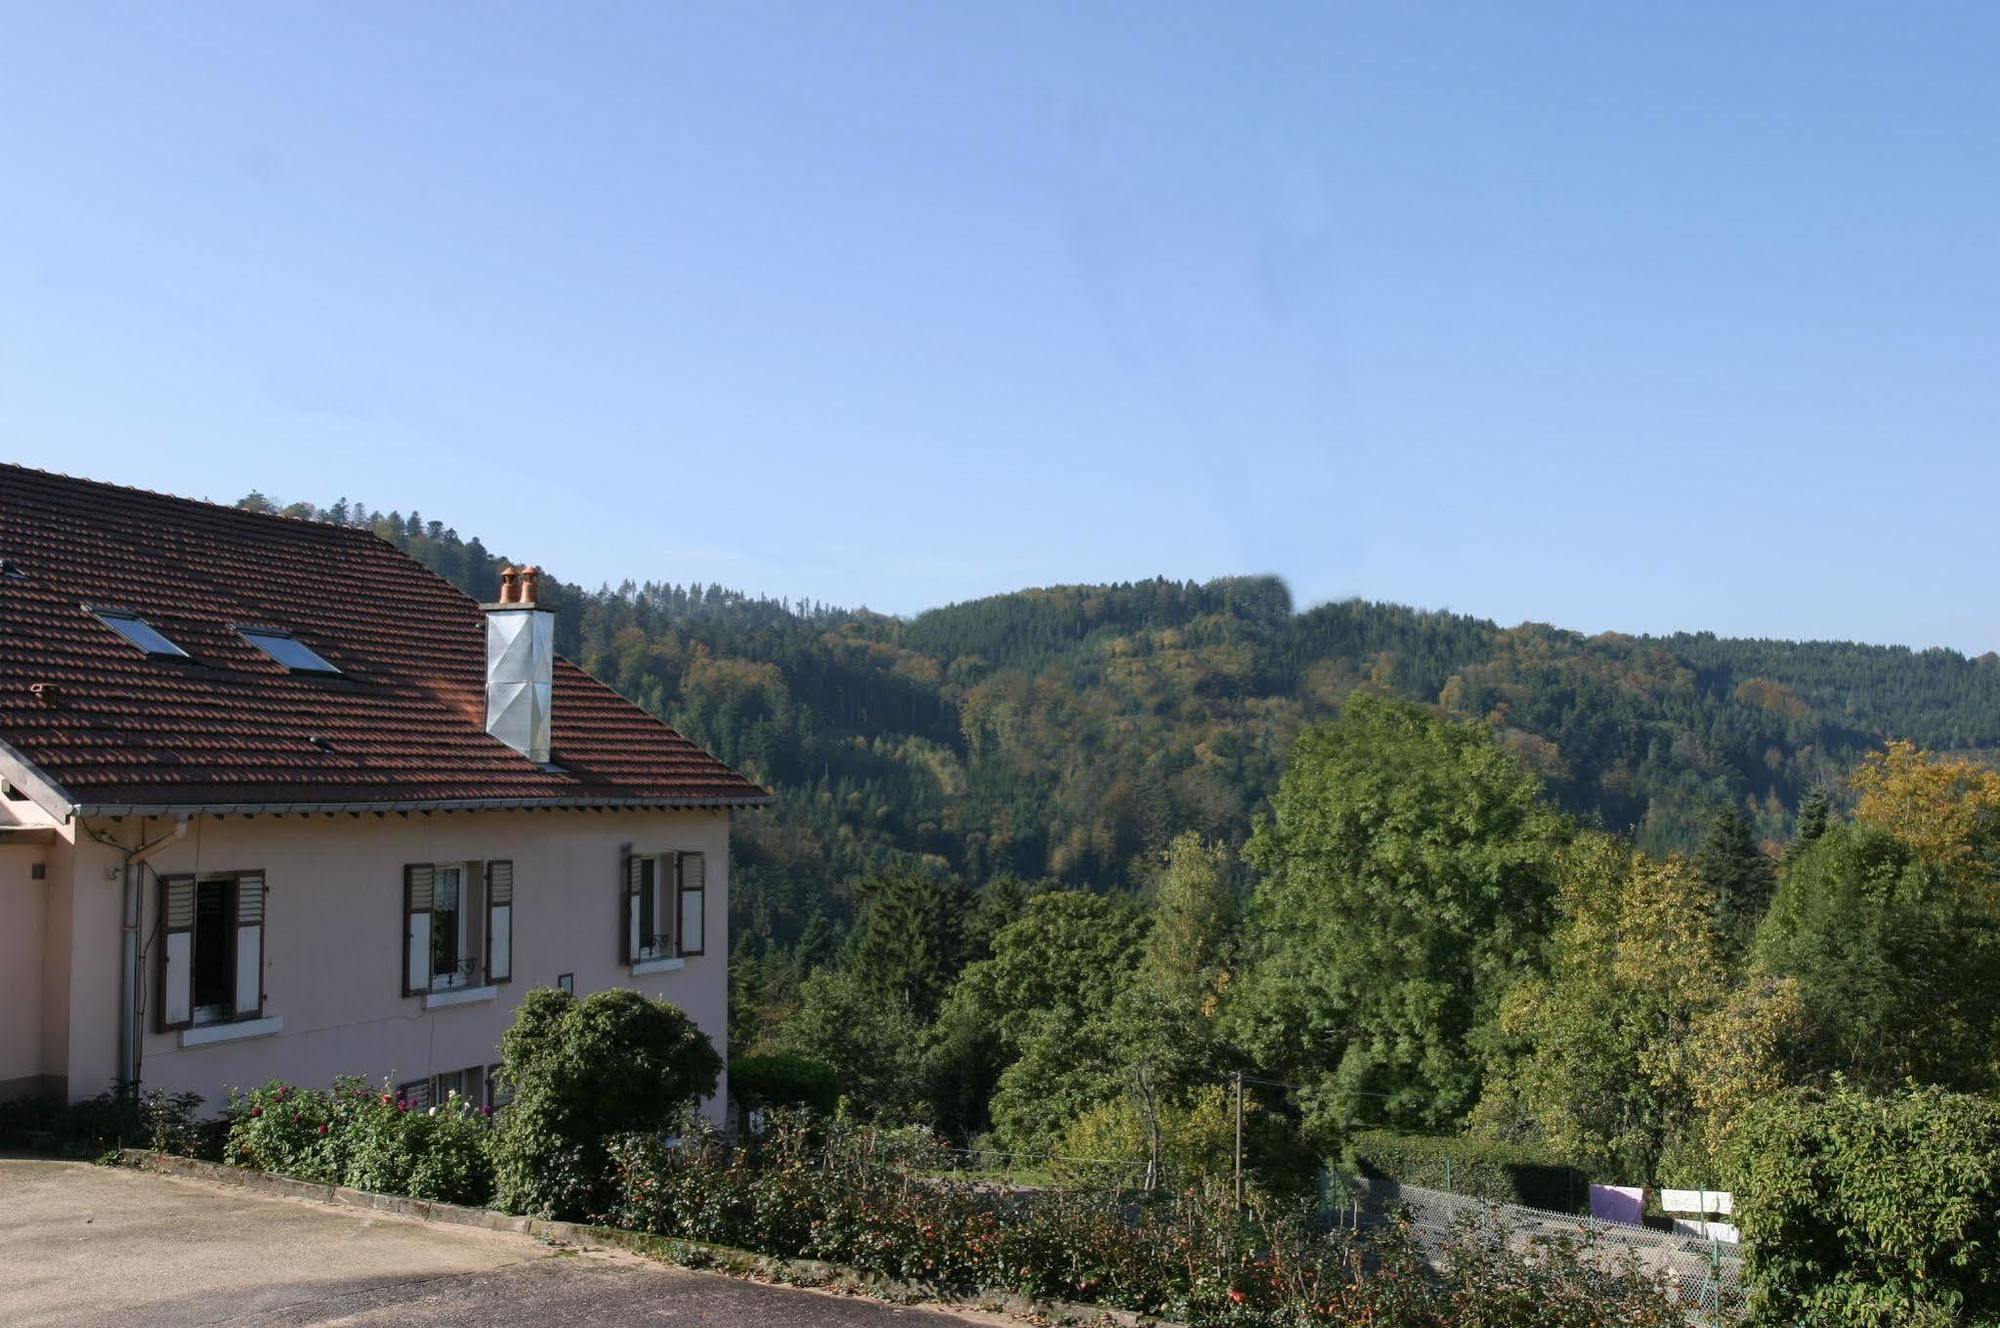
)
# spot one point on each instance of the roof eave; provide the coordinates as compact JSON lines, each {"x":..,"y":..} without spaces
{"x":43,"y":791}
{"x":584,"y":803}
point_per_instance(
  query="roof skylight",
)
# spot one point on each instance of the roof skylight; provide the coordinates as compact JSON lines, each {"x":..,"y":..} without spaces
{"x":288,"y":650}
{"x":140,"y":633}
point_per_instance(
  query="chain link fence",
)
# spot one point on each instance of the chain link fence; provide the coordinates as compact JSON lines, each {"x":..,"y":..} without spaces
{"x":1705,"y":1276}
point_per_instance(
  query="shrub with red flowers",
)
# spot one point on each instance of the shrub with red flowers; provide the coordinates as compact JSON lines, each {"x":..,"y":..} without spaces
{"x":367,"y":1138}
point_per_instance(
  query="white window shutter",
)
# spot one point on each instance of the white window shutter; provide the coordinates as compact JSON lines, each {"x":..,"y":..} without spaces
{"x":249,"y":947}
{"x":499,"y":921}
{"x":693,"y":869}
{"x":177,"y":954}
{"x":419,"y":883}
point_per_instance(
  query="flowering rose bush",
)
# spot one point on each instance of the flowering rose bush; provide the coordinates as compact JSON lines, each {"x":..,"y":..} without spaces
{"x":364,"y":1137}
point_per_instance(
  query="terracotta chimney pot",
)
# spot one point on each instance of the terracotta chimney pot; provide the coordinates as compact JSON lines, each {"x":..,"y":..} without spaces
{"x":531,"y":584}
{"x":508,"y":591}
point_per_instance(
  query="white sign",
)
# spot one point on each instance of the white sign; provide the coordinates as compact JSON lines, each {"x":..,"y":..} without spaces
{"x":1697,"y":1201}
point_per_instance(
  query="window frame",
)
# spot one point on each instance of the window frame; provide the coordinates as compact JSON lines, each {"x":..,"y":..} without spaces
{"x":257,"y":636}
{"x":111,"y":617}
{"x":458,"y":975}
{"x":243,"y":913}
{"x":484,"y":918}
{"x":664,"y":901}
{"x":653,"y":944}
{"x":469,"y":1082}
{"x":200,"y":1013}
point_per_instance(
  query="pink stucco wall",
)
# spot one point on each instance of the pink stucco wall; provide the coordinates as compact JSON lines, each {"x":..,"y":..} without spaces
{"x":23,"y":919}
{"x":334,"y":939}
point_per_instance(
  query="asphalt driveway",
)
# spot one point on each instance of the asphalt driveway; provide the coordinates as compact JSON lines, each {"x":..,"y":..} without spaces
{"x":87,"y":1245}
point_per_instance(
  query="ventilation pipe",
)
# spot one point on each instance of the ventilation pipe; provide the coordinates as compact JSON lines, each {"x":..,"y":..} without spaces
{"x":520,"y":664}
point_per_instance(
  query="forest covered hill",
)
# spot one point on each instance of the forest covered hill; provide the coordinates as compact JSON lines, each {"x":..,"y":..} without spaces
{"x":1071,"y":732}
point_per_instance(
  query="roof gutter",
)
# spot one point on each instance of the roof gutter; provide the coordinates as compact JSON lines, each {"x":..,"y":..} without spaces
{"x":411,"y":805}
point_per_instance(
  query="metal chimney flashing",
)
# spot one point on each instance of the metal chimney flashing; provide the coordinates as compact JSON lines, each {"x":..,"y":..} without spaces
{"x":520,"y":666}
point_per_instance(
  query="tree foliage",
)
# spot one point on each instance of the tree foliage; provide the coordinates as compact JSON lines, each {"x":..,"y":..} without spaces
{"x":1408,"y":876}
{"x":583,"y":1069}
{"x":1899,"y":973}
{"x":1861,"y":1210}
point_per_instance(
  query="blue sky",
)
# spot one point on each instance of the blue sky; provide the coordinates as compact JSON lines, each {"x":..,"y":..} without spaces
{"x":1614,"y":316}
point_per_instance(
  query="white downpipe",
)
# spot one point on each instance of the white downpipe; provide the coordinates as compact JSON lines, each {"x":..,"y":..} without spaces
{"x":128,"y":966}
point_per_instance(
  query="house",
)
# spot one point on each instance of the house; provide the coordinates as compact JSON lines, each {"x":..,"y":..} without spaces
{"x":278,"y":801}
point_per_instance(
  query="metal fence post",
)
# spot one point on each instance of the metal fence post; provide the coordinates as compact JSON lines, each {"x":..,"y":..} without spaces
{"x":1239,"y":1140}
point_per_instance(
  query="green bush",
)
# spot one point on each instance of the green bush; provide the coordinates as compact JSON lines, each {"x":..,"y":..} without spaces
{"x":27,"y":1122}
{"x":1496,"y":1172}
{"x":365,"y":1138}
{"x":784,"y":1080}
{"x":117,"y":1118}
{"x":612,"y":1063}
{"x":1863,"y":1210}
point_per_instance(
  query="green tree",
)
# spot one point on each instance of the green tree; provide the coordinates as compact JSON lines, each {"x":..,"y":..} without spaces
{"x":1899,"y":971}
{"x":1737,"y":874}
{"x":1815,"y":816}
{"x":1192,"y":940}
{"x":874,"y":1046}
{"x":1163,"y":1022}
{"x":583,"y":1070}
{"x":1408,"y":877}
{"x":910,"y":940}
{"x":1602,"y":1056}
{"x":1049,"y":987}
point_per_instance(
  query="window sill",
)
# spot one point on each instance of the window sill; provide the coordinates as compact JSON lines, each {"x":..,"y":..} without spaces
{"x":664,"y":964}
{"x":459,"y":996}
{"x":232,"y":1032}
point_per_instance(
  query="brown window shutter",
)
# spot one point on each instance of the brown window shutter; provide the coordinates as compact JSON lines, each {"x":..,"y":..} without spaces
{"x":628,"y":878}
{"x":419,"y":882}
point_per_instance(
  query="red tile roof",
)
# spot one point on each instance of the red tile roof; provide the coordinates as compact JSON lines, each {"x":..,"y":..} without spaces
{"x":112,"y":728}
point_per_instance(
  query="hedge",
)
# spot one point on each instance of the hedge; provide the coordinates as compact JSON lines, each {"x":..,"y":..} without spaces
{"x":782,"y":1080}
{"x":821,"y":1190}
{"x":1496,"y":1172}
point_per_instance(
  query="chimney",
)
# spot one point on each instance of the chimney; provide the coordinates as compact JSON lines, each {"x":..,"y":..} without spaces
{"x":520,"y":665}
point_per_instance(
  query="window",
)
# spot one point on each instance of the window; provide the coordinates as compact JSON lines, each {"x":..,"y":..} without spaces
{"x":458,"y":925}
{"x":288,"y":650}
{"x":691,"y":870}
{"x":213,"y":954}
{"x":140,"y":633}
{"x":651,"y":943}
{"x":664,"y":905}
{"x":211,"y":950}
{"x":466,"y":1083}
{"x":448,"y":928}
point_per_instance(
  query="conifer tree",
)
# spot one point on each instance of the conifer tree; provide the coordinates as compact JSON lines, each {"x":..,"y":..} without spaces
{"x":1738,"y":874}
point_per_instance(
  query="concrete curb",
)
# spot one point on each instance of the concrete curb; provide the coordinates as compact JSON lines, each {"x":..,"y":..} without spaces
{"x":665,"y":1249}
